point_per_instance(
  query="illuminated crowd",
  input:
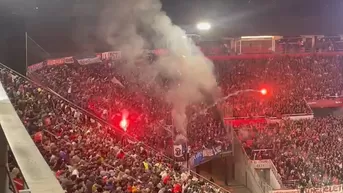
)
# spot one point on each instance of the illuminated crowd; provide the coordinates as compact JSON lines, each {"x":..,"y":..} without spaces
{"x":99,"y":94}
{"x":291,"y":81}
{"x":89,"y":156}
{"x":304,"y":152}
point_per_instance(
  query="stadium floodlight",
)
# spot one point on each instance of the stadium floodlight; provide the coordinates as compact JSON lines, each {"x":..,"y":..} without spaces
{"x":203,"y":26}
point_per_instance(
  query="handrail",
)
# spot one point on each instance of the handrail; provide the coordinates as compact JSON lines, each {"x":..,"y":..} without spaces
{"x":101,"y":120}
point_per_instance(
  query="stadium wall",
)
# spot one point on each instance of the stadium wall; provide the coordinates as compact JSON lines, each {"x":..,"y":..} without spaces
{"x":220,"y":169}
{"x":244,"y":173}
{"x":273,"y":181}
{"x":272,"y":177}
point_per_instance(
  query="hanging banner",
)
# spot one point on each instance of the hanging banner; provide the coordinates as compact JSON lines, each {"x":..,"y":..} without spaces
{"x":34,"y":67}
{"x":285,"y":191}
{"x":261,"y":164}
{"x":55,"y":62}
{"x":178,"y":151}
{"x":325,"y":189}
{"x":207,"y":152}
{"x":114,"y":55}
{"x":87,"y":61}
{"x":331,"y":189}
{"x":198,"y":158}
{"x":68,"y":60}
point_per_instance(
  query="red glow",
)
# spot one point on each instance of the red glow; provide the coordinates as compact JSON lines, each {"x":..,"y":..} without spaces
{"x":263,"y":91}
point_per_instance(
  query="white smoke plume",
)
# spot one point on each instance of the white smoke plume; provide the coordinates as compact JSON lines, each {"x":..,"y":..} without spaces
{"x":121,"y":25}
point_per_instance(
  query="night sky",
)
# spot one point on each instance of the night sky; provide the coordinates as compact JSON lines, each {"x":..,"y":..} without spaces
{"x":54,"y":23}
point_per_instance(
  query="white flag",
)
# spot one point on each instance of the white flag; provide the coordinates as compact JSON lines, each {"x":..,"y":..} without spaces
{"x":131,"y":141}
{"x":178,"y":151}
{"x":207,"y":152}
{"x":116,"y":81}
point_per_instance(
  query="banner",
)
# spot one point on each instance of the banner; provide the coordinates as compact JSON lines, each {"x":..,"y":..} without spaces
{"x":68,"y":60}
{"x":244,"y":121}
{"x":34,"y":67}
{"x":208,"y":152}
{"x":298,"y":117}
{"x":179,"y":154}
{"x":178,"y":151}
{"x":114,"y":55}
{"x":55,"y":62}
{"x":325,"y":189}
{"x":87,"y":61}
{"x":198,"y":158}
{"x":261,"y":164}
{"x":285,"y":191}
{"x":331,"y":189}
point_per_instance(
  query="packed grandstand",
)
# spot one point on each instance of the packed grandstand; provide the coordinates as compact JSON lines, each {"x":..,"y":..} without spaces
{"x":102,"y":130}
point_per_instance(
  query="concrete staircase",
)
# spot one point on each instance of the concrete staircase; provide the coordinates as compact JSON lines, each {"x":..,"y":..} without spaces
{"x":233,"y":187}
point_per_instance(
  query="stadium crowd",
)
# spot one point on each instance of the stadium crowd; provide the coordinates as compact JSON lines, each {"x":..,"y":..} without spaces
{"x":87,"y":156}
{"x":107,"y":93}
{"x":290,"y":82}
{"x":307,"y":151}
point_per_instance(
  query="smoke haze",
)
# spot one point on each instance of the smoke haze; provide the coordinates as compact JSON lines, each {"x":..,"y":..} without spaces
{"x":131,"y":25}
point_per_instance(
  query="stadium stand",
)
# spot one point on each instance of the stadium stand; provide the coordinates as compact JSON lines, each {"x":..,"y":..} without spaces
{"x":292,"y":82}
{"x":88,"y":156}
{"x":74,"y":112}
